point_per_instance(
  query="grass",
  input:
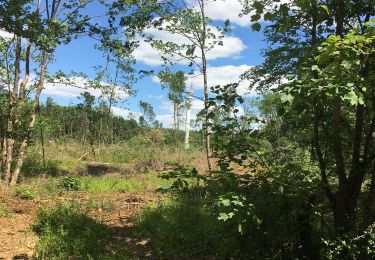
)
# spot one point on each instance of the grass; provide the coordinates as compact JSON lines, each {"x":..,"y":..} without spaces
{"x":185,"y":227}
{"x":109,"y":183}
{"x":65,"y":233}
{"x":36,"y":188}
{"x":3,"y":211}
{"x":25,"y":193}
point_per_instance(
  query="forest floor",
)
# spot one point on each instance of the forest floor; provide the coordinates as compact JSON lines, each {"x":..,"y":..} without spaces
{"x":115,"y":188}
{"x":116,"y":210}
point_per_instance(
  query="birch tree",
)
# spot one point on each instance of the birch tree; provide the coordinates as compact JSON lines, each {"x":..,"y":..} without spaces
{"x":176,"y":85}
{"x":188,"y":21}
{"x":36,"y":29}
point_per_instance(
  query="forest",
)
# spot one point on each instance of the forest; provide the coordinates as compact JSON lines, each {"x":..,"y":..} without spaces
{"x":267,"y":150}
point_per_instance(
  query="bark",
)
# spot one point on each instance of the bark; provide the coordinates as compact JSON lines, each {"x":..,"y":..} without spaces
{"x":206,"y":90}
{"x":24,"y":144}
{"x":370,"y":201}
{"x":12,"y":107}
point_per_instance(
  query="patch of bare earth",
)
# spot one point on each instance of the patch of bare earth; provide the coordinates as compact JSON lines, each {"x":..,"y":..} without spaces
{"x":17,"y":241}
{"x":117,"y":211}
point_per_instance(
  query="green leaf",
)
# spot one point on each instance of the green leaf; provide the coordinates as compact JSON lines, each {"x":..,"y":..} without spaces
{"x":256,"y":27}
{"x":223,"y":216}
{"x":240,"y":229}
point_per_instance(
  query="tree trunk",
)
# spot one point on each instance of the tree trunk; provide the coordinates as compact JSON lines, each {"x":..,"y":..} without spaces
{"x":24,"y":144}
{"x":206,"y":90}
{"x":12,"y":107}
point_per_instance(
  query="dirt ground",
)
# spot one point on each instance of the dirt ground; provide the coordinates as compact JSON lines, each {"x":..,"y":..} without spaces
{"x":17,"y":241}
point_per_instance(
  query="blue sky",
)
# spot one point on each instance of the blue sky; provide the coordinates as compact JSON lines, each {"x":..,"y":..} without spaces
{"x":241,"y":50}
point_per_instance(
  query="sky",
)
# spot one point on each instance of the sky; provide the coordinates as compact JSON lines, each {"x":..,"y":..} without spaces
{"x":240,"y":51}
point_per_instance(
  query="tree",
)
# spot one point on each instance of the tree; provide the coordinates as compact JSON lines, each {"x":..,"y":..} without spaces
{"x":148,"y":117}
{"x":176,"y":84}
{"x":44,"y":27}
{"x":339,"y":106}
{"x":189,"y":21}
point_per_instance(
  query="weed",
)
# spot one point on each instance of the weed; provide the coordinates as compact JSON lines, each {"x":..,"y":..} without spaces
{"x":91,"y":204}
{"x":121,"y":183}
{"x":65,"y":233}
{"x":25,"y":193}
{"x":3,"y":210}
{"x":69,"y":183}
{"x":184,"y":227}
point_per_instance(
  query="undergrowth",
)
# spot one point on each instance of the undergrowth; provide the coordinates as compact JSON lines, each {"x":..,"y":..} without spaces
{"x":65,"y":233}
{"x":184,"y":227}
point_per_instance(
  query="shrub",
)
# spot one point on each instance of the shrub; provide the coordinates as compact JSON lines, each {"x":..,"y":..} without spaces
{"x":69,"y":183}
{"x":24,"y":193}
{"x":361,"y":246}
{"x":65,"y":233}
{"x":185,"y":227}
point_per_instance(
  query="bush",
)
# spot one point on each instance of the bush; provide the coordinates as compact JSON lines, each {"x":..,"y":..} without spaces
{"x":361,"y":246}
{"x":24,"y":193}
{"x":186,"y":228}
{"x":67,"y":234}
{"x":69,"y":183}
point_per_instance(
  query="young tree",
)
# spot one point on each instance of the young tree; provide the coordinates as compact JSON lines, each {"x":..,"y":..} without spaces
{"x":43,"y":26}
{"x":176,"y":84}
{"x":188,"y":20}
{"x":340,"y":105}
{"x":148,"y":117}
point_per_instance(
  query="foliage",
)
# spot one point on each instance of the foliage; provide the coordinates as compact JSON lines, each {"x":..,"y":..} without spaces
{"x":176,"y":85}
{"x":25,"y":193}
{"x":181,"y":175}
{"x":3,"y":210}
{"x":69,"y":183}
{"x":185,"y":227}
{"x":148,"y":117}
{"x":65,"y":233}
{"x":361,"y":246}
{"x":235,"y":208}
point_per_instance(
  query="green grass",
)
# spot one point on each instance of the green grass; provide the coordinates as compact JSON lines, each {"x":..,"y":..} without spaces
{"x":36,"y":188}
{"x":121,"y":183}
{"x":25,"y":192}
{"x":186,"y":228}
{"x":3,"y":211}
{"x":65,"y":233}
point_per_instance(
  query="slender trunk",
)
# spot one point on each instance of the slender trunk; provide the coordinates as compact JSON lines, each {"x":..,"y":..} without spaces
{"x":174,"y":117}
{"x":370,"y":201}
{"x":24,"y":144}
{"x":206,"y":129}
{"x":343,"y":211}
{"x":43,"y":150}
{"x":12,"y":107}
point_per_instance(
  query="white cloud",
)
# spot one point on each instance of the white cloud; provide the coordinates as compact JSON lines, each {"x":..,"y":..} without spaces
{"x":125,"y":113}
{"x":222,"y":10}
{"x":156,"y":97}
{"x":166,"y":120}
{"x":231,"y":48}
{"x":148,"y":55}
{"x":222,"y":76}
{"x":5,"y":34}
{"x":72,"y":91}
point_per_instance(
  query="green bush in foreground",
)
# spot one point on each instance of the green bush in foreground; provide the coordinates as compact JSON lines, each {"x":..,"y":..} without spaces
{"x":185,"y":228}
{"x":65,"y":233}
